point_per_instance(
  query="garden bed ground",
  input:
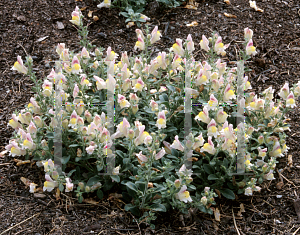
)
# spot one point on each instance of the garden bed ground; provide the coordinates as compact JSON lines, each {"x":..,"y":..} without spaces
{"x":277,"y":37}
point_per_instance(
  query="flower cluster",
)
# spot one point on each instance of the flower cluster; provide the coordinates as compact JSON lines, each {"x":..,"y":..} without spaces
{"x":148,"y":115}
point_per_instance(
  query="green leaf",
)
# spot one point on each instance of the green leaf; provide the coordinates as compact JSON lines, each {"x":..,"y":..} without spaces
{"x":158,"y":207}
{"x":141,"y":185}
{"x":225,"y":162}
{"x":74,"y":145}
{"x":212,"y":177}
{"x":61,"y":187}
{"x":50,"y":135}
{"x":65,"y":159}
{"x":120,"y":153}
{"x":115,"y":178}
{"x":175,"y":152}
{"x":208,"y":169}
{"x":50,"y":144}
{"x":229,"y":194}
{"x":99,"y":194}
{"x":164,"y":97}
{"x":71,"y":172}
{"x":132,"y":186}
{"x":93,"y":180}
{"x":171,"y":129}
{"x":80,"y":199}
{"x":133,"y":209}
{"x":170,"y":87}
{"x":128,"y":207}
{"x":126,"y":160}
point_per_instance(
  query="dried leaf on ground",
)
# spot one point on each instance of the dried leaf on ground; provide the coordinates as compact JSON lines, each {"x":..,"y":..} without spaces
{"x":25,"y":181}
{"x":217,"y":214}
{"x":230,"y":15}
{"x":60,"y":25}
{"x":90,"y":14}
{"x":290,"y":160}
{"x":253,"y":5}
{"x":90,"y":201}
{"x":194,"y":23}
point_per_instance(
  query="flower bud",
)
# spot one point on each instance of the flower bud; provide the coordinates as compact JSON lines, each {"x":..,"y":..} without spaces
{"x":79,"y":152}
{"x":44,"y":143}
{"x":131,"y":134}
{"x":177,"y":183}
{"x":97,"y":52}
{"x":189,"y":180}
{"x":260,"y":139}
{"x":135,"y":108}
{"x":81,"y":186}
{"x":68,"y":107}
{"x":150,"y":185}
{"x":204,"y":200}
{"x":29,"y":60}
{"x":65,"y":123}
{"x":87,"y":189}
{"x":241,"y":184}
{"x":265,"y":168}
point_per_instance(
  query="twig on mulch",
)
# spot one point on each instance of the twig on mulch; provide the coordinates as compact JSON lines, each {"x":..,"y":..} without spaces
{"x":19,"y":223}
{"x":23,"y":48}
{"x":237,"y":230}
{"x":296,"y":231}
{"x":285,"y":178}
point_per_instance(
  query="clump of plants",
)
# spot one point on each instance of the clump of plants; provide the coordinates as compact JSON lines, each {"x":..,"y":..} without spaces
{"x":132,"y":9}
{"x":147,"y":137}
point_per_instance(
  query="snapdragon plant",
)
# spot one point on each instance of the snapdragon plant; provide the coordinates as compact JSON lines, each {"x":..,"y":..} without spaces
{"x":148,"y":140}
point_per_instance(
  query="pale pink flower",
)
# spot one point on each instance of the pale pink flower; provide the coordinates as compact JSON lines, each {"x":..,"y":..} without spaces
{"x":76,"y":65}
{"x":153,"y":105}
{"x":290,"y":100}
{"x":161,"y":120}
{"x":69,"y":185}
{"x":19,"y":66}
{"x":155,"y":35}
{"x":142,"y":157}
{"x":203,"y":116}
{"x":76,"y":17}
{"x":248,"y":34}
{"x":90,"y":149}
{"x":140,"y":44}
{"x":73,"y":119}
{"x":190,"y":44}
{"x":184,"y":195}
{"x":209,"y":147}
{"x":177,"y":145}
{"x":139,"y":85}
{"x":220,"y":47}
{"x":100,"y":83}
{"x":160,"y":154}
{"x":75,"y":91}
{"x":212,"y":129}
{"x":177,"y":47}
{"x":250,"y":49}
{"x":228,"y":93}
{"x":248,"y":191}
{"x":49,"y":184}
{"x":284,"y":91}
{"x":204,"y":43}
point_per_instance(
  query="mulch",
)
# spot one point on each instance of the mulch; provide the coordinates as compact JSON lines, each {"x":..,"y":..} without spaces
{"x":32,"y":27}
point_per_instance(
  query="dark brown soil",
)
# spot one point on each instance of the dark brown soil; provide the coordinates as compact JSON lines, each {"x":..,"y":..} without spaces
{"x":277,"y":37}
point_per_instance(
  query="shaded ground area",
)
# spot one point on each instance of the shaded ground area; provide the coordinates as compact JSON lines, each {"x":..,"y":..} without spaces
{"x":277,"y":37}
